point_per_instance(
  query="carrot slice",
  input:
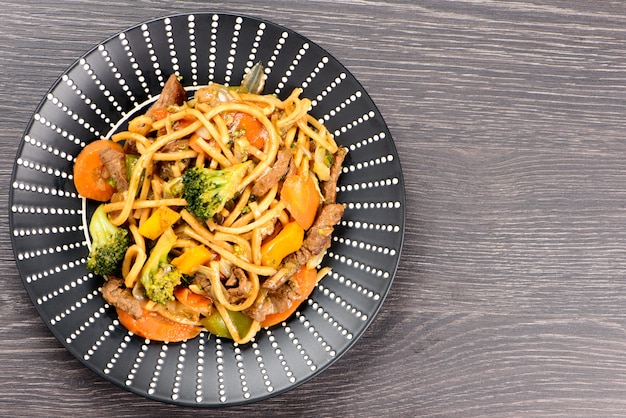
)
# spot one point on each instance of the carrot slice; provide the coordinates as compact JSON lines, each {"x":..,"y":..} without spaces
{"x":300,"y":196}
{"x":90,"y":175}
{"x":155,"y":327}
{"x":158,"y":113}
{"x":254,"y":131}
{"x":194,"y":301}
{"x":306,"y":279}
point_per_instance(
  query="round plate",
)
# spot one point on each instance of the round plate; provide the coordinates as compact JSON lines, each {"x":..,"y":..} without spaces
{"x":48,"y":219}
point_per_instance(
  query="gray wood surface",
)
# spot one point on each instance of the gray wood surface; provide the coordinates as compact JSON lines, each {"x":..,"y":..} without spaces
{"x":509,"y":121}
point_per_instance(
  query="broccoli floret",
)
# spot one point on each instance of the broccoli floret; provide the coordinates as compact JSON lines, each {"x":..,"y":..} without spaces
{"x":207,"y":191}
{"x":158,"y":276}
{"x":108,"y":244}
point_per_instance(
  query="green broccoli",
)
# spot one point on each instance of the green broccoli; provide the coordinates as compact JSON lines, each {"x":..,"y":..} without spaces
{"x":158,"y":276}
{"x":108,"y":244}
{"x":207,"y":191}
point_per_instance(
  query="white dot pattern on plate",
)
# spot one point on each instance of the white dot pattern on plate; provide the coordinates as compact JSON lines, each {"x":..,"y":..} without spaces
{"x":180,"y":367}
{"x":259,"y":360}
{"x":92,"y":105}
{"x":213,"y":46}
{"x":116,"y":80}
{"x":291,"y":69}
{"x":42,"y":189}
{"x":46,"y":230}
{"x":154,"y":59}
{"x":354,"y":123}
{"x":191,"y":29}
{"x":171,"y":46}
{"x":255,"y":46}
{"x":72,"y":115}
{"x":55,"y":269}
{"x":116,"y":356}
{"x":280,"y":356}
{"x":104,"y":337}
{"x":44,"y":169}
{"x":228,"y":73}
{"x":219,"y":364}
{"x":115,"y":71}
{"x":85,"y":325}
{"x":199,"y":369}
{"x":101,"y":86}
{"x":59,"y":291}
{"x":342,"y":302}
{"x":276,"y":52}
{"x":136,"y":364}
{"x":156,"y":372}
{"x":37,"y":117}
{"x":135,"y":66}
{"x":300,"y":348}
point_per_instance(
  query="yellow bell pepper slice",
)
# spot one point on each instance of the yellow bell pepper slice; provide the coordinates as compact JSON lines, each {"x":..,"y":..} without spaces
{"x":158,"y":222}
{"x":288,"y":240}
{"x":191,"y":258}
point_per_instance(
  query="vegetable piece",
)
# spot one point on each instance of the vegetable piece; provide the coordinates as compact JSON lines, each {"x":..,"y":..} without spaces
{"x":193,"y":143}
{"x":300,"y":196}
{"x":90,"y":175}
{"x":131,"y":161}
{"x":158,"y":222}
{"x":306,"y":279}
{"x":191,"y":300}
{"x":159,"y":113}
{"x":214,"y":323}
{"x":108,"y":244}
{"x":191,"y":258}
{"x":254,"y":80}
{"x":153,"y":326}
{"x":207,"y":191}
{"x":251,"y":128}
{"x":158,"y":276}
{"x":288,"y":240}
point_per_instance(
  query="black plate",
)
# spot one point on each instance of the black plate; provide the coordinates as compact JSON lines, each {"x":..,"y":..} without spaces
{"x":114,"y":81}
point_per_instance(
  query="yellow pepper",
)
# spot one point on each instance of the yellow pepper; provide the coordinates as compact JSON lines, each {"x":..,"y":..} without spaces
{"x":288,"y":240}
{"x":158,"y":222}
{"x":191,"y":258}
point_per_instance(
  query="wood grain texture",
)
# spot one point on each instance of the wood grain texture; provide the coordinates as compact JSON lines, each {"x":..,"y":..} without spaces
{"x":509,"y":120}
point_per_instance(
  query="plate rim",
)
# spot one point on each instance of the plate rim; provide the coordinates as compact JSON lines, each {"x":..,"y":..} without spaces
{"x":130,"y":388}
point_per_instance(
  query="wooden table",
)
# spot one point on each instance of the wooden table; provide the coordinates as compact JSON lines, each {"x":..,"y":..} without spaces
{"x":509,"y":121}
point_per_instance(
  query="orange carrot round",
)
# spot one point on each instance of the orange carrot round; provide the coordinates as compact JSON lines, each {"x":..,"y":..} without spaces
{"x":155,"y":327}
{"x":90,"y":176}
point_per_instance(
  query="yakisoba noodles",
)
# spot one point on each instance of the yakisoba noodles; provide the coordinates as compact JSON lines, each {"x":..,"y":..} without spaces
{"x":228,"y":203}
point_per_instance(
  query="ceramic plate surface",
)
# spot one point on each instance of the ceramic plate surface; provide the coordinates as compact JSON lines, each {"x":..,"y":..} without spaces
{"x":115,"y":81}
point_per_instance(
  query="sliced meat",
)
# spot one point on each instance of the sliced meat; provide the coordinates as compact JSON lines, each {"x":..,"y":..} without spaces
{"x":176,"y":145}
{"x":318,"y":236}
{"x":273,"y":176}
{"x":173,"y":93}
{"x":114,"y":292}
{"x":238,"y":286}
{"x":115,"y":163}
{"x":274,"y":301}
{"x":203,"y":282}
{"x":317,"y":240}
{"x":329,"y":187}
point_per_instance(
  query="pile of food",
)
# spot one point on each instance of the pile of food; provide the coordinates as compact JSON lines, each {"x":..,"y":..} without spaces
{"x":216,"y":210}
